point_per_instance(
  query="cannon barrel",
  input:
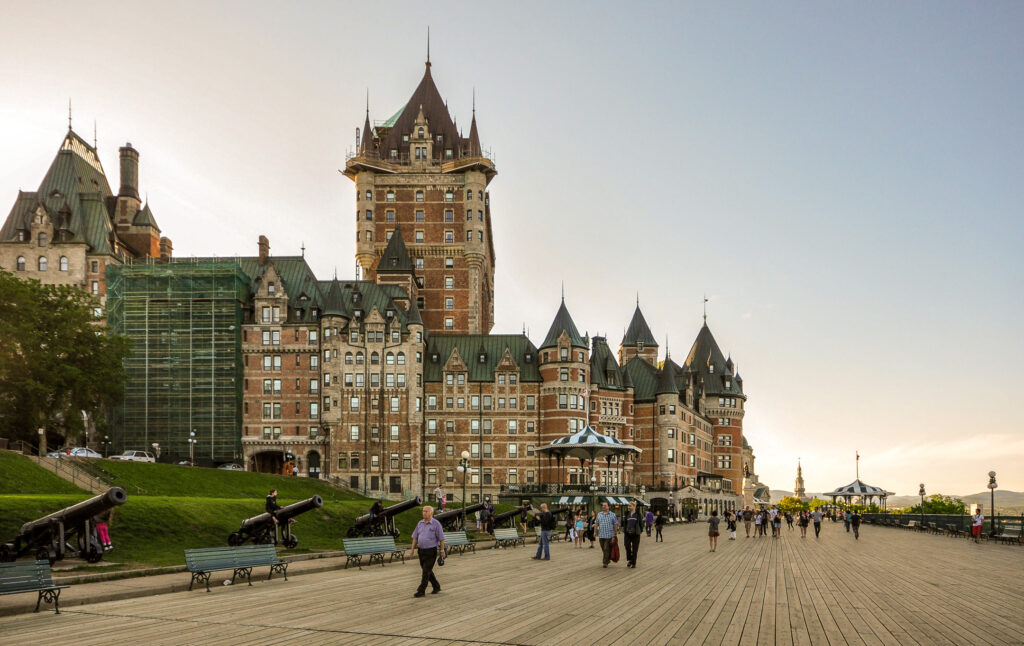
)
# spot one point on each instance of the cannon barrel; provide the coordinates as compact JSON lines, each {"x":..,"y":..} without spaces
{"x":387,"y":512}
{"x":80,"y":512}
{"x":505,"y":515}
{"x":445,"y":516}
{"x":284,"y":513}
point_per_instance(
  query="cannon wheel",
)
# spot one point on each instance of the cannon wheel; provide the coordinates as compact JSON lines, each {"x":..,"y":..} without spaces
{"x":266,"y":538}
{"x":93,"y":555}
{"x":235,"y":539}
{"x":291,"y":542}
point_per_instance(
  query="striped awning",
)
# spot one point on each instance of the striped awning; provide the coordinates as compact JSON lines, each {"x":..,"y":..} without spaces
{"x":588,"y":443}
{"x":622,"y":500}
{"x":858,"y":488}
{"x":572,"y":500}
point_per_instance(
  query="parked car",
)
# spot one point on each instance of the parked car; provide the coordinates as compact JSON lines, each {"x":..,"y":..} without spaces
{"x":135,"y":456}
{"x":184,"y":463}
{"x":231,"y":467}
{"x":83,"y":452}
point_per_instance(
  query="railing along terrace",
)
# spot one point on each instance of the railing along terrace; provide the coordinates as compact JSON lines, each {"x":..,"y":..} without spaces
{"x":405,"y":159}
{"x":942,"y":522}
{"x":573,"y":489}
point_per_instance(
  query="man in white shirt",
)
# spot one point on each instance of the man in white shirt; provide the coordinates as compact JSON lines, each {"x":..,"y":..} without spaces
{"x":976,"y":522}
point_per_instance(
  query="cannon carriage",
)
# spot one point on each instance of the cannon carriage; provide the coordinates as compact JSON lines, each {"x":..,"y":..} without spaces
{"x":382,"y":524}
{"x":68,"y":532}
{"x":451,"y":520}
{"x":512,"y":514}
{"x":261,"y":529}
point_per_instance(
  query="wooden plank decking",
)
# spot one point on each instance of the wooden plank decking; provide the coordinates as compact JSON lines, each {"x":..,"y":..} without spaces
{"x":890,"y":587}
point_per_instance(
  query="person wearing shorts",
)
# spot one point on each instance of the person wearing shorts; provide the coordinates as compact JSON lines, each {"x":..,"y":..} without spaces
{"x":713,"y":530}
{"x":976,"y":522}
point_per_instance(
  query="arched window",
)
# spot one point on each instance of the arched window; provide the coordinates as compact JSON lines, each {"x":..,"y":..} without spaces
{"x":419,"y":196}
{"x":374,"y":358}
{"x":369,"y":195}
{"x":469,"y":194}
{"x":21,"y":263}
{"x":42,"y":263}
{"x":359,"y":358}
{"x":420,"y":133}
{"x":401,"y":358}
{"x":389,"y":359}
{"x":64,"y":266}
{"x":348,"y":358}
{"x":42,"y":239}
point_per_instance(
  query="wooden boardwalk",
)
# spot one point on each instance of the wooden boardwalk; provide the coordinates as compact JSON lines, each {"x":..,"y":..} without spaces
{"x":890,"y":587}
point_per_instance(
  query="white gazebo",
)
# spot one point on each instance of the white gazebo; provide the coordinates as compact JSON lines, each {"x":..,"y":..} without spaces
{"x":862,"y":491}
{"x":590,"y":445}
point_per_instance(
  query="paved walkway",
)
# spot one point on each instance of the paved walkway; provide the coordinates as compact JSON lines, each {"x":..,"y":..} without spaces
{"x":890,"y":587}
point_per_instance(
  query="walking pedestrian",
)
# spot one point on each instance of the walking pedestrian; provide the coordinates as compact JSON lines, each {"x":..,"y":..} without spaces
{"x":591,"y":525}
{"x":789,"y":521}
{"x":631,"y":533}
{"x":757,"y":525}
{"x":659,"y":524}
{"x":846,"y":520}
{"x":547,"y":525}
{"x":523,"y":516}
{"x":438,"y":492}
{"x":854,"y":520}
{"x":730,"y":520}
{"x":577,"y":531}
{"x":428,"y":537}
{"x":816,"y":517}
{"x":649,"y":521}
{"x":803,"y":522}
{"x":748,"y":516}
{"x":570,"y":523}
{"x":713,"y":530}
{"x":777,"y":526}
{"x":607,"y":528}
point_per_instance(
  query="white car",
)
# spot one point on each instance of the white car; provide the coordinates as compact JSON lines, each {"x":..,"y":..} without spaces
{"x":83,"y":453}
{"x":135,"y":456}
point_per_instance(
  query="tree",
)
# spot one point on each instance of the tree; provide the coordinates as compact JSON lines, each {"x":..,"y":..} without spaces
{"x":55,"y":361}
{"x":939,"y":504}
{"x":791,"y":504}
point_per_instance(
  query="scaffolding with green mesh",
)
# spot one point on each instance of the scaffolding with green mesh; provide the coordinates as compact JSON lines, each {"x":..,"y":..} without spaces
{"x":184,"y":374}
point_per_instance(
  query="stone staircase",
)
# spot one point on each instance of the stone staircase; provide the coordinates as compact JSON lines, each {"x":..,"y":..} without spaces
{"x":72,"y":473}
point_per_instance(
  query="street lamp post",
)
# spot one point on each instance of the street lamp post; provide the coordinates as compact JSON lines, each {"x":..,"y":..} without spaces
{"x":464,"y":468}
{"x":921,"y":493}
{"x":992,"y":501}
{"x":593,"y":491}
{"x":42,"y":442}
{"x":192,"y":448}
{"x":156,"y":450}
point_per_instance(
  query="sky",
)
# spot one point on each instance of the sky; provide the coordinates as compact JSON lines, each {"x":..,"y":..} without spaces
{"x":842,"y":180}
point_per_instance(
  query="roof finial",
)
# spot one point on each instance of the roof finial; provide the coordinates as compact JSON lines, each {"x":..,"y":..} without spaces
{"x":95,"y":145}
{"x":638,"y":298}
{"x":474,"y":102}
{"x":563,"y":291}
{"x":303,"y":248}
{"x":428,"y":45}
{"x":668,"y":353}
{"x":367,"y":103}
{"x":705,"y":309}
{"x":69,"y":114}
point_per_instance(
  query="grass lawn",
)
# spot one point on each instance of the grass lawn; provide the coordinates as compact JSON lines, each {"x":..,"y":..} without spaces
{"x":18,"y":474}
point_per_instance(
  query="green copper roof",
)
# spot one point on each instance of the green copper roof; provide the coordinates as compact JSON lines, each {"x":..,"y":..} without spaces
{"x":394,"y":118}
{"x":604,"y":369}
{"x":639,"y":331}
{"x":713,"y":369}
{"x":563,"y":323}
{"x":469,"y":346}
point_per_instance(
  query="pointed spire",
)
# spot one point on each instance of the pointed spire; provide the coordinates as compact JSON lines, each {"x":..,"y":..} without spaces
{"x":428,"y":45}
{"x":334,"y":303}
{"x":563,"y":323}
{"x":667,"y":379}
{"x":396,"y":256}
{"x":413,"y":315}
{"x":366,"y":145}
{"x":474,"y":136}
{"x":638,"y":330}
{"x":95,"y":141}
{"x":69,"y":114}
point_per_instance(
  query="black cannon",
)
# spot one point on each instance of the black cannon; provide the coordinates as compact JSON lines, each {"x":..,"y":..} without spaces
{"x":53,"y":537}
{"x":512,"y":514}
{"x":382,"y":524}
{"x":261,"y":529}
{"x":452,"y":519}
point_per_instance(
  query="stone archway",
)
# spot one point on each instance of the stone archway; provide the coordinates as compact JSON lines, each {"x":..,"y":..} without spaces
{"x":267,"y":462}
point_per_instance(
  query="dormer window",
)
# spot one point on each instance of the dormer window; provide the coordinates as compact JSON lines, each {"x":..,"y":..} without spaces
{"x":447,"y":153}
{"x":563,"y":354}
{"x":389,"y":313}
{"x":42,"y":239}
{"x":483,"y":357}
{"x":728,"y":383}
{"x":358,"y":314}
{"x":528,"y":357}
{"x":639,"y":346}
{"x":711,"y":368}
{"x":420,"y":133}
{"x":434,"y":358}
{"x":394,"y":153}
{"x":405,"y":138}
{"x":270,"y":289}
{"x":356,"y":297}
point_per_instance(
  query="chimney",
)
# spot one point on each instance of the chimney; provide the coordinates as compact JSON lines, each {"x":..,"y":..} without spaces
{"x":264,"y":250}
{"x":166,"y":249}
{"x":129,"y":172}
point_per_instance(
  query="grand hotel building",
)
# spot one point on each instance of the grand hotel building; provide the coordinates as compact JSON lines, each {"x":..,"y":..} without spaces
{"x":378,"y":383}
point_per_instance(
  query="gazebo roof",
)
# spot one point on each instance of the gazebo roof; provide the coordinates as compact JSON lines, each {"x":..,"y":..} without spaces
{"x":588,"y":443}
{"x":858,"y":488}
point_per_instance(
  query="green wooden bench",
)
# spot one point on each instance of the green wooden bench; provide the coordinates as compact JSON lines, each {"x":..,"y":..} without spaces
{"x":457,"y":541}
{"x":373,"y":546}
{"x":1010,"y":536}
{"x":241,"y":559}
{"x":30,"y":576}
{"x":507,"y":536}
